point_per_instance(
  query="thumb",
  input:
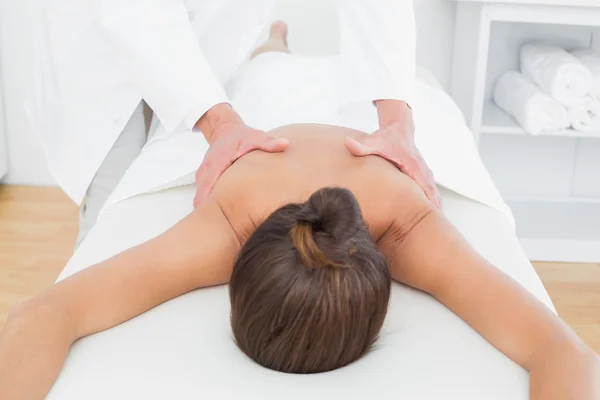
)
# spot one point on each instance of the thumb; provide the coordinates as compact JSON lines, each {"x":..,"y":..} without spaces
{"x":273,"y":144}
{"x":357,"y":148}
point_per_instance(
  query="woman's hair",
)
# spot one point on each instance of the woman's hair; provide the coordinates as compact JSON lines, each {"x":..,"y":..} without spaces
{"x":310,"y":289}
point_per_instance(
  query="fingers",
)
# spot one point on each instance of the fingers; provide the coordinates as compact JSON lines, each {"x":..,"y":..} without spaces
{"x":421,"y":174}
{"x":412,"y":164}
{"x":433,"y":195}
{"x":207,"y":182}
{"x":431,"y":191}
{"x":216,"y":163}
{"x":203,"y":185}
{"x":208,"y":174}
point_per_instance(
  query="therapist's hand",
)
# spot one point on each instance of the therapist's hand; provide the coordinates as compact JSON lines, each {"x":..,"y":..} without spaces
{"x":394,"y":142}
{"x":228,"y":142}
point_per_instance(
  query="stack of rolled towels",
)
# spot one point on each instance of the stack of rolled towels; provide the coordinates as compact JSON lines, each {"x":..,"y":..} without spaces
{"x":555,"y":90}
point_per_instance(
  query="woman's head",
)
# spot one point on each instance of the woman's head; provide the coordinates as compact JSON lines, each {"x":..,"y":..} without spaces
{"x":310,"y":290}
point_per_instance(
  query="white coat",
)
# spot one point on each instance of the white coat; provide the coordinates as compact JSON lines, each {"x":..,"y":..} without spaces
{"x":97,"y":59}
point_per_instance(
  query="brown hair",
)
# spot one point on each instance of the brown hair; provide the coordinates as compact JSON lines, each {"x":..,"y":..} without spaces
{"x":309,"y":290}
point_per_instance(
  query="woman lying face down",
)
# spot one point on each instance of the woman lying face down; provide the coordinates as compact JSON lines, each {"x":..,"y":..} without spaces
{"x":308,"y":240}
{"x":310,"y":289}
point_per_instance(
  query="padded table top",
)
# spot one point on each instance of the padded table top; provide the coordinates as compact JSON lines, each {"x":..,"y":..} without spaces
{"x":183,"y":349}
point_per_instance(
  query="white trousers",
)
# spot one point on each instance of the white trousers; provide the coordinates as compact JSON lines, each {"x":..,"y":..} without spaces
{"x":125,"y":150}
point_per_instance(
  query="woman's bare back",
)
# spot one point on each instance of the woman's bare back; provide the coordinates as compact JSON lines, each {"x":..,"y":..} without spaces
{"x":259,"y":183}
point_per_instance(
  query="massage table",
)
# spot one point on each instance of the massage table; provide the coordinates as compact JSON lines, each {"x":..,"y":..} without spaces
{"x":184,"y":349}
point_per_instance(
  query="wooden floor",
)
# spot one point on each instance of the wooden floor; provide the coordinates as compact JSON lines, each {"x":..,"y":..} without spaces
{"x":38,"y":227}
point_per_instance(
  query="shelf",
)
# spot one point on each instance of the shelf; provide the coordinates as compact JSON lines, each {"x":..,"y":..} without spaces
{"x":553,"y":199}
{"x":488,"y":38}
{"x":577,"y":3}
{"x":496,"y":121}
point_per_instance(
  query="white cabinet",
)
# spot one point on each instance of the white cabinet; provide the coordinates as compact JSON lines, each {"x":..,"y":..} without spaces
{"x":551,"y":182}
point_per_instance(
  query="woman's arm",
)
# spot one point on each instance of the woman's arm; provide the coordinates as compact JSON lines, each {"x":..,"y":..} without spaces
{"x":432,"y":256}
{"x":199,"y":251}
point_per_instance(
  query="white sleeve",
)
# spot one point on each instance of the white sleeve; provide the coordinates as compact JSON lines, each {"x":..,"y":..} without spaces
{"x":155,"y":43}
{"x":377,"y":50}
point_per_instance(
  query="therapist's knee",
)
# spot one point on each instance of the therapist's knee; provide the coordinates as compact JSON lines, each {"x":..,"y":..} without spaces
{"x":310,"y":289}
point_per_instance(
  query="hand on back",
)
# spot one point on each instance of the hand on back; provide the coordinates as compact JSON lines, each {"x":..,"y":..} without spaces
{"x":229,"y":142}
{"x":230,"y":139}
{"x":392,"y":144}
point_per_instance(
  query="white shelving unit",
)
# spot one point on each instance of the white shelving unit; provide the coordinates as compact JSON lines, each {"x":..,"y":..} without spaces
{"x":496,"y":121}
{"x":550,"y":181}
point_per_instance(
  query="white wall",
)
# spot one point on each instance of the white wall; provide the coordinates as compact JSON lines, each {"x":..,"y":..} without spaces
{"x":435,"y":37}
{"x":3,"y":149}
{"x":26,"y":159}
{"x":320,"y":36}
{"x":27,"y":163}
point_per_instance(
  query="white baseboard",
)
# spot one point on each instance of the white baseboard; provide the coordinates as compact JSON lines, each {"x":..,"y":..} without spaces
{"x":561,"y":250}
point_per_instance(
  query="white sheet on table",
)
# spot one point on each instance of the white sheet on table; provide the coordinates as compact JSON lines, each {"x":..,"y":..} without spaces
{"x":279,"y":89}
{"x":183,"y":349}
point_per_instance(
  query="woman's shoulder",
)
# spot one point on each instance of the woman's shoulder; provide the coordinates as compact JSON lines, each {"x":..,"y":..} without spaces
{"x":390,"y":199}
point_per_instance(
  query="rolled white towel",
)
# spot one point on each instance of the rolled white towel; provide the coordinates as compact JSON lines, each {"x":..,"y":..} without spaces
{"x":557,"y":73}
{"x":586,"y":117}
{"x":592,"y":61}
{"x":533,"y":109}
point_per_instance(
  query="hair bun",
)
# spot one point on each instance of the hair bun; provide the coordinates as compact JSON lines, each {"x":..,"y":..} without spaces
{"x":325,"y":226}
{"x":333,"y":211}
